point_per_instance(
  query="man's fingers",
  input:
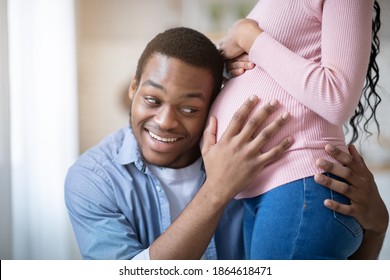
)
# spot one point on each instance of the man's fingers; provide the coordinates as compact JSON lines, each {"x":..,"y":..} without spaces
{"x":240,"y":117}
{"x":336,"y":169}
{"x":342,"y":157}
{"x":354,"y":153}
{"x":335,"y":185}
{"x":353,"y":168}
{"x":352,"y":160}
{"x":265,"y":134}
{"x":272,"y":154}
{"x":338,"y":207}
{"x":256,"y":120}
{"x":209,"y":135}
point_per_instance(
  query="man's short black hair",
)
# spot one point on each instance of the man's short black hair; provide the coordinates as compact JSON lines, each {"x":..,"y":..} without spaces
{"x":187,"y":45}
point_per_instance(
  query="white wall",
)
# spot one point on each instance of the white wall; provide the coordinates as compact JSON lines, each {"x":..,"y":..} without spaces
{"x":5,"y":156}
{"x":42,"y":71}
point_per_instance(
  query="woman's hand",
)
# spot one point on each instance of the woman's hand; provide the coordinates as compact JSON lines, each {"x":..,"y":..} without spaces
{"x":237,"y":66}
{"x":239,"y":38}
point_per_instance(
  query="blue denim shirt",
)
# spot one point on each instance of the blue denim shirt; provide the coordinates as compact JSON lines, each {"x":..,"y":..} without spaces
{"x":118,"y":208}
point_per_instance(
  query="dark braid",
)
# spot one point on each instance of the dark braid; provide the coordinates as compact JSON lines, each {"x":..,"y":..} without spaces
{"x":370,"y":98}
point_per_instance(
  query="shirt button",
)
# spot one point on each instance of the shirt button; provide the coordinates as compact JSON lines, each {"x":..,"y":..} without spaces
{"x":158,"y":188}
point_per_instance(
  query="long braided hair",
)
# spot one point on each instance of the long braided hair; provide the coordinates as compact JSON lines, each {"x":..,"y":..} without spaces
{"x":369,"y":101}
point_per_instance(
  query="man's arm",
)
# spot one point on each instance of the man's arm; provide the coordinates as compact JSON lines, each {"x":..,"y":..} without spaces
{"x":230,"y":165}
{"x":366,"y":205}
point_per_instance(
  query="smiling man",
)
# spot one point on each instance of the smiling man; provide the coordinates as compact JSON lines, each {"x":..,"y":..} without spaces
{"x":170,"y":103}
{"x":143,"y":193}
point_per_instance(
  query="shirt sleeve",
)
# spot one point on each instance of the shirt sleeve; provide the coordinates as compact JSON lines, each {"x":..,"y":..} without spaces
{"x":331,"y":87}
{"x":101,"y":229}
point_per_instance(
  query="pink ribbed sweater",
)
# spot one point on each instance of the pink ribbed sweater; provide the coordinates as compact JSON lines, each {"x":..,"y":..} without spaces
{"x":312,"y":57}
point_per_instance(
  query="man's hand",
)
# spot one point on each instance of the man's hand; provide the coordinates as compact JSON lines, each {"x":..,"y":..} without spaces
{"x":367,"y":207}
{"x":366,"y":204}
{"x":232,"y":163}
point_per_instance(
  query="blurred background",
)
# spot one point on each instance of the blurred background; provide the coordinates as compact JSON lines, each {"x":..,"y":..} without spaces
{"x":65,"y":67}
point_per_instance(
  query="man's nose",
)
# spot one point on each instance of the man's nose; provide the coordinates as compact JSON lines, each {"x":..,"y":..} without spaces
{"x":166,"y":118}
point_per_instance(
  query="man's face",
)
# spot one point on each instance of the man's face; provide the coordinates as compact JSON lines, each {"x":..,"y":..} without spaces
{"x":169,"y":109}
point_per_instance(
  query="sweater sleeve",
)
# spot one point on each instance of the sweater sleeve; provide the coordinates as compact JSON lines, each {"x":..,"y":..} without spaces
{"x":331,"y":87}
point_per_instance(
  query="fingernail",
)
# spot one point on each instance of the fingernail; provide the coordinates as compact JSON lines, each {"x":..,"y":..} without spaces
{"x":328,"y":203}
{"x":330,"y":148}
{"x":273,"y":102}
{"x":253,"y":98}
{"x":321,"y":163}
{"x":285,"y":115}
{"x":319,"y":178}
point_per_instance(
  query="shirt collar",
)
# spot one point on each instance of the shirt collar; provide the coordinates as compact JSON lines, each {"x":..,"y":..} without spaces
{"x":128,"y":150}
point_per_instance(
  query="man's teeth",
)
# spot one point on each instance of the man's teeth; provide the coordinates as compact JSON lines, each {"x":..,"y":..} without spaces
{"x":158,"y":138}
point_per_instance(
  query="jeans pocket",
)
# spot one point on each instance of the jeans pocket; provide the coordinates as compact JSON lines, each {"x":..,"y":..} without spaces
{"x":348,"y":221}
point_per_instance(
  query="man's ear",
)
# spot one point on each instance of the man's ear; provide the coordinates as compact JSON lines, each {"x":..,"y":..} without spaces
{"x":132,"y":88}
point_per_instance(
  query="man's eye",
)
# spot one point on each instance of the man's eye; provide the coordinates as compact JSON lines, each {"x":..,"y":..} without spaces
{"x":188,"y":110}
{"x":151,"y":100}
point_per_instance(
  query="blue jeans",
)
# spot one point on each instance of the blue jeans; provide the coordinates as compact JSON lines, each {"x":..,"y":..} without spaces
{"x":291,"y":222}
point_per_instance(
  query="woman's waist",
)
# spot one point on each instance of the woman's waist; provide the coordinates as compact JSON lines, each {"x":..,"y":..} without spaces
{"x":307,"y":128}
{"x":292,"y":165}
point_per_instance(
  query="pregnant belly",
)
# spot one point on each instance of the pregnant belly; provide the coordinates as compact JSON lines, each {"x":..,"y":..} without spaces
{"x":308,"y":129}
{"x":235,"y":93}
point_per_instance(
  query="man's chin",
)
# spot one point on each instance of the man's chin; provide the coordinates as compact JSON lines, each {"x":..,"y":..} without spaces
{"x":153,"y":161}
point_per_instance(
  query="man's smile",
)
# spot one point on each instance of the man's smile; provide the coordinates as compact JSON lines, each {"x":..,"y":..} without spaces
{"x":162,"y":139}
